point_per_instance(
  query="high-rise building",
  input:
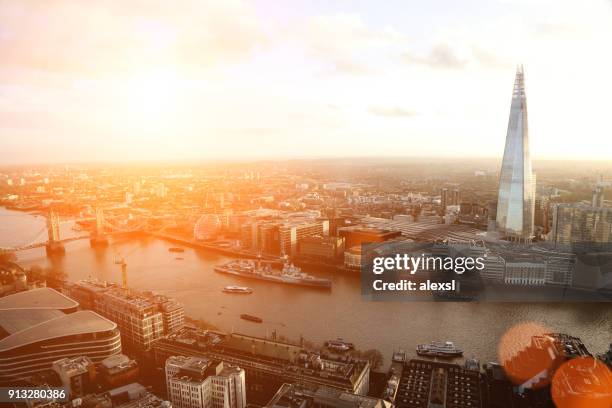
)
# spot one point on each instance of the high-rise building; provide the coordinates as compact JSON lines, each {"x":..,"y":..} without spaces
{"x":516,"y":198}
{"x":598,"y":197}
{"x":455,"y":198}
{"x":443,"y":200}
{"x":194,"y":382}
{"x":581,"y":227}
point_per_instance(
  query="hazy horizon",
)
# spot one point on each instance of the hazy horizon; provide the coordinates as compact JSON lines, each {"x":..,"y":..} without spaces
{"x":261,"y":80}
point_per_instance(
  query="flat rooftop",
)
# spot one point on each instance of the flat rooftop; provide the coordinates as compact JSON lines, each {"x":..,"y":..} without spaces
{"x":41,"y":298}
{"x":262,"y":347}
{"x":299,"y":396}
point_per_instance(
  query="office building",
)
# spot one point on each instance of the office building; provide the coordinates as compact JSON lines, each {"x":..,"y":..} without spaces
{"x":352,"y":258}
{"x":533,"y":266}
{"x":318,"y":247}
{"x":41,"y":326}
{"x":194,"y":382}
{"x":455,"y":197}
{"x":142,"y":318}
{"x":443,"y":200}
{"x":118,"y":370}
{"x":542,"y":215}
{"x":280,"y":237}
{"x":173,"y":313}
{"x":139,"y":319}
{"x":598,"y":197}
{"x":362,"y":235}
{"x":516,"y":197}
{"x":77,"y":374}
{"x":581,"y":228}
{"x":132,"y":395}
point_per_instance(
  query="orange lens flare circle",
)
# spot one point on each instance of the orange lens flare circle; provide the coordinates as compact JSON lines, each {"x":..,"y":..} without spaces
{"x":528,"y":355}
{"x":582,"y":383}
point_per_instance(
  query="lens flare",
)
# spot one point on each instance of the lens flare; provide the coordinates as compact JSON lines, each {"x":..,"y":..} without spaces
{"x":527,"y":354}
{"x":582,"y":383}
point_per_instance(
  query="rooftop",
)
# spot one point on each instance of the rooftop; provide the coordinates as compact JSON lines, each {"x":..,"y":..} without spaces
{"x":116,"y":360}
{"x":262,"y":347}
{"x":299,"y":396}
{"x":57,"y":325}
{"x":75,"y":365}
{"x":41,"y":298}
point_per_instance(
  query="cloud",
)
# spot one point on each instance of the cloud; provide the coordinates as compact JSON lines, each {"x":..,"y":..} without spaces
{"x":101,"y":38}
{"x":346,"y":43}
{"x":440,"y":56}
{"x":392,"y":112}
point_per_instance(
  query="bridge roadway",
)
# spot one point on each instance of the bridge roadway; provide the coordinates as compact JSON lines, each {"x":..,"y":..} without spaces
{"x":65,"y":240}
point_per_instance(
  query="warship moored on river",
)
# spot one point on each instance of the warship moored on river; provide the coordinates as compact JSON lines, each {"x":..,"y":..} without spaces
{"x":289,"y":274}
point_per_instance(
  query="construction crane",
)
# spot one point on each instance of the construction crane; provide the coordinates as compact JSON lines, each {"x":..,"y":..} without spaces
{"x":121,"y":262}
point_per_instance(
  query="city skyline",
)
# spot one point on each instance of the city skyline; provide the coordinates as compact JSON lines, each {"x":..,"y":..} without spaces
{"x":315,"y":80}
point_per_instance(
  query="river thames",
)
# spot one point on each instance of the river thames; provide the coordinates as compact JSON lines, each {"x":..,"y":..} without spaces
{"x":294,"y":311}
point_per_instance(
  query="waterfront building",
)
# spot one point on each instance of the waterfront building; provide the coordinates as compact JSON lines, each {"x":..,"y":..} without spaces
{"x":138,"y":318}
{"x":362,"y":235}
{"x":77,"y":374}
{"x":281,"y":237}
{"x":516,"y":197}
{"x":426,"y":383}
{"x":207,"y":227}
{"x":141,"y":317}
{"x":194,"y":382}
{"x":267,"y":363}
{"x":40,"y":326}
{"x":352,"y":258}
{"x":533,"y":266}
{"x":13,"y":279}
{"x":302,"y":396}
{"x":173,"y":313}
{"x":495,"y":268}
{"x":525,"y":273}
{"x":533,"y":366}
{"x":327,"y":248}
{"x":581,"y":228}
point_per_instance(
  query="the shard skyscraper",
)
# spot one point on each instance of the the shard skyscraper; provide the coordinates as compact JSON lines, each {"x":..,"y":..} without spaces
{"x":516,"y":198}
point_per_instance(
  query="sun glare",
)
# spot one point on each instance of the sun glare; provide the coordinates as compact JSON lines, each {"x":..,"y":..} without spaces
{"x":153,"y":97}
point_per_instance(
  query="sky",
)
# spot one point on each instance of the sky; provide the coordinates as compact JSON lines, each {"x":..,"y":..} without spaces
{"x":235,"y":79}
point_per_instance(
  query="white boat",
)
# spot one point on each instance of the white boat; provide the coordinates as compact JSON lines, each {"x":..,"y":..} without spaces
{"x":339,"y":345}
{"x":435,"y":349}
{"x":238,"y":289}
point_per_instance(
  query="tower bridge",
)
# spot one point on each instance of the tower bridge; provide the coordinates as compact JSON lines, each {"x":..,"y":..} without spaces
{"x":104,"y":227}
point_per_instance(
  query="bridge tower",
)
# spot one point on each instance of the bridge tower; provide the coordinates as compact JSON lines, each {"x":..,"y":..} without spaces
{"x":97,"y":237}
{"x":54,"y":245}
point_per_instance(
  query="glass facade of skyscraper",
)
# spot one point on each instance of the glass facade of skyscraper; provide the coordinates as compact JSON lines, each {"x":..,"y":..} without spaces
{"x":516,"y":199}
